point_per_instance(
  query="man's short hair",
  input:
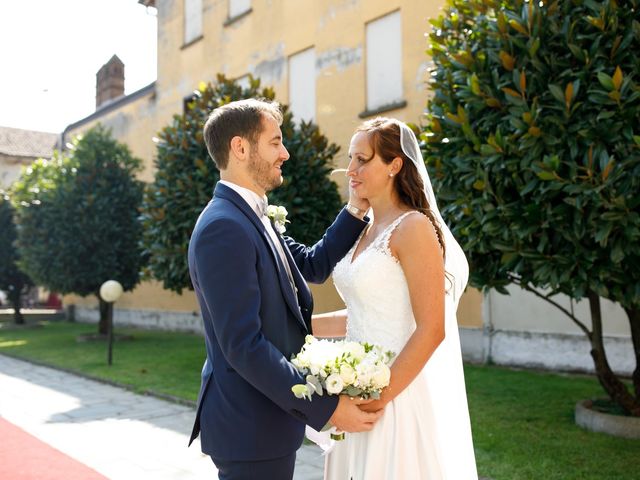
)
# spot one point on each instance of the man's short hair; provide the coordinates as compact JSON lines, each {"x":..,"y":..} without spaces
{"x":241,"y":118}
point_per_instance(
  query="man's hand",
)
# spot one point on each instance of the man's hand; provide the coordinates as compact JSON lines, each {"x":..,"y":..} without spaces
{"x":348,"y":416}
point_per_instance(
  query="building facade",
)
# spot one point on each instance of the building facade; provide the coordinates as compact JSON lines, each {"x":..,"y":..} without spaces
{"x":336,"y":62}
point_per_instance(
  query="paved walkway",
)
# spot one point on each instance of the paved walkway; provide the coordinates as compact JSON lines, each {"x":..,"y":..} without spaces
{"x":118,"y":433}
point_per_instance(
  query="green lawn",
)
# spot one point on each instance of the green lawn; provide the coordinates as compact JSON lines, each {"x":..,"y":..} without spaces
{"x":523,"y":429}
{"x":522,"y":421}
{"x":163,"y":362}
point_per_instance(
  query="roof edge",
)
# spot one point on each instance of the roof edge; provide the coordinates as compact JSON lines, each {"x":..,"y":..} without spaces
{"x":110,"y":106}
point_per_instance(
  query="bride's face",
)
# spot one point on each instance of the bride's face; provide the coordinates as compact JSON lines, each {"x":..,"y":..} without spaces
{"x":368,"y":174}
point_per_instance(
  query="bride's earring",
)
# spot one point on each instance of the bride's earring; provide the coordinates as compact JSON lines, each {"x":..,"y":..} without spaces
{"x":391,"y":174}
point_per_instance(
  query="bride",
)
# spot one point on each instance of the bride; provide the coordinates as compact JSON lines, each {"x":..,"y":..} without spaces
{"x":401,"y":283}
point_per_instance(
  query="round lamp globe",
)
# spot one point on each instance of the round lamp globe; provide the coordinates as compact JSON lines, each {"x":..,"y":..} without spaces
{"x":111,"y":290}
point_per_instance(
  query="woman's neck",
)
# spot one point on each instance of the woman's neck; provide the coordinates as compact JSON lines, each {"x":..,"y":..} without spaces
{"x":386,"y":210}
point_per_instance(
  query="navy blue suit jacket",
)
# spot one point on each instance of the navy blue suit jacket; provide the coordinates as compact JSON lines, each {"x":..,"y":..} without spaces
{"x":253,"y":324}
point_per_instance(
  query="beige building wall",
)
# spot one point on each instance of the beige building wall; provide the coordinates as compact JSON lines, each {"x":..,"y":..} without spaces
{"x":132,"y":120}
{"x":10,"y":169}
{"x":521,"y":311}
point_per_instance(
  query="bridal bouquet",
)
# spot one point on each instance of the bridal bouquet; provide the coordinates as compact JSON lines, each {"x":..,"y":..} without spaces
{"x":342,"y":367}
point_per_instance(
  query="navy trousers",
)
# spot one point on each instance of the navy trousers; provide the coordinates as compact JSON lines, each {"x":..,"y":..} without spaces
{"x":275,"y":469}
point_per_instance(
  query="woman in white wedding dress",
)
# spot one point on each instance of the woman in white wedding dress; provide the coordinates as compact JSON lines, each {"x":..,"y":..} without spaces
{"x":401,"y":283}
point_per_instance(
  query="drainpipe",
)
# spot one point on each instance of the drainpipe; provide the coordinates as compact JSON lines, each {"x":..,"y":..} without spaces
{"x":487,"y":328}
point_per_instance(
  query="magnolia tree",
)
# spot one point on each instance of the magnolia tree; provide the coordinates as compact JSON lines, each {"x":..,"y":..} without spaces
{"x":185,"y":178}
{"x":12,"y":279}
{"x":78,"y":218}
{"x":533,"y":140}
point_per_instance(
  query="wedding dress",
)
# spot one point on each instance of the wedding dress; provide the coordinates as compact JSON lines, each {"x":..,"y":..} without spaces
{"x":424,"y":433}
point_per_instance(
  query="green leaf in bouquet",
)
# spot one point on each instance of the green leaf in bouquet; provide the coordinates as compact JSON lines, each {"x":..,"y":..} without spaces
{"x":301,"y":391}
{"x":314,"y":383}
{"x":353,"y":391}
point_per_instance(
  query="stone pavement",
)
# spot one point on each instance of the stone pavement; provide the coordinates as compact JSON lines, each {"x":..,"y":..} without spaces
{"x":120,"y":434}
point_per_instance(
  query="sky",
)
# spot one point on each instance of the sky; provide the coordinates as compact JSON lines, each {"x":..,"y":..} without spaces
{"x":51,"y":50}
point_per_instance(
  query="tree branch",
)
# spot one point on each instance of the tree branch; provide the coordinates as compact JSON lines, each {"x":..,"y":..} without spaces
{"x":575,"y":320}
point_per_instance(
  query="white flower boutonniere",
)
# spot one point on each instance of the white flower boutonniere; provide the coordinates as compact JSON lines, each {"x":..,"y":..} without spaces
{"x":278,"y":215}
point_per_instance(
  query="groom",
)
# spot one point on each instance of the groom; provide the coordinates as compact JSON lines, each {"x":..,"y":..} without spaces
{"x":256,"y":306}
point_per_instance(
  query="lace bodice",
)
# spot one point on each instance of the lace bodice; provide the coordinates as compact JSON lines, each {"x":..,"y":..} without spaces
{"x":375,"y":291}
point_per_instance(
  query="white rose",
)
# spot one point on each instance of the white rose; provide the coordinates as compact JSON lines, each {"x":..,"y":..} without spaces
{"x":281,"y":213}
{"x":365,"y":372}
{"x":334,"y":384}
{"x":302,"y":359}
{"x":355,"y":349}
{"x":382,"y":376}
{"x":347,"y":374}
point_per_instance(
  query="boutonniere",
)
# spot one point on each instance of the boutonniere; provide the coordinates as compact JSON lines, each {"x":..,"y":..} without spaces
{"x":278,"y":215}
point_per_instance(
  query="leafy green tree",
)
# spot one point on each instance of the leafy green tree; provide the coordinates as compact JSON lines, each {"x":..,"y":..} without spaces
{"x":12,"y":280}
{"x":185,"y":178}
{"x":533,"y":139}
{"x":78,"y":218}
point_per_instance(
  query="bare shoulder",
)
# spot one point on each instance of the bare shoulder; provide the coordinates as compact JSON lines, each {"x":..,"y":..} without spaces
{"x":414,"y":236}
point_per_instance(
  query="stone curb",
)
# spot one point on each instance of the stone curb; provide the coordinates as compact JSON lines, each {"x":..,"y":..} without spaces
{"x":616,"y":425}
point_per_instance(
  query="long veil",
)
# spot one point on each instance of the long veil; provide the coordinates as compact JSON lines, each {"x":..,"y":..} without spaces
{"x":444,"y":373}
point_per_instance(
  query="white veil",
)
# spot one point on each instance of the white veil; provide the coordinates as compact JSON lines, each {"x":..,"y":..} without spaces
{"x":443,"y":371}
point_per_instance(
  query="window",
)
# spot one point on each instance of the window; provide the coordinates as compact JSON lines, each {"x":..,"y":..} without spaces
{"x":192,"y":20}
{"x":302,"y":85}
{"x":238,"y":7}
{"x":384,"y":62}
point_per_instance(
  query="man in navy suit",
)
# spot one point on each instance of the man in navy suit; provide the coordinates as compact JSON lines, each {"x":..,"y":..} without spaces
{"x":256,"y":305}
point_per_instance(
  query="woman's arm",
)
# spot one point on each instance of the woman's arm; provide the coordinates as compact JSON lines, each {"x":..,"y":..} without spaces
{"x":330,"y":324}
{"x":416,"y":246}
{"x":317,"y":262}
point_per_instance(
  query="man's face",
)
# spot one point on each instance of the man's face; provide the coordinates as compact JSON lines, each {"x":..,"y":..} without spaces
{"x":267,"y":156}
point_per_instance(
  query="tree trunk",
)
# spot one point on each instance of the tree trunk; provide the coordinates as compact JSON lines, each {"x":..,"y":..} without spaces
{"x":634,"y":323}
{"x":103,"y":328}
{"x":16,"y":300}
{"x":609,"y":381}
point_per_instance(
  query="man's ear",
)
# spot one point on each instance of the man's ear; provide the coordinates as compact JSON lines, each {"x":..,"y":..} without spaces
{"x":239,"y":147}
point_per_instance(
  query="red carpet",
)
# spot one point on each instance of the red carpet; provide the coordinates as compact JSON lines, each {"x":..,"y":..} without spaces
{"x":24,"y":457}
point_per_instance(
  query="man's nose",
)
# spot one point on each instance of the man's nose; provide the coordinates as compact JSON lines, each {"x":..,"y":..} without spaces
{"x":284,"y":154}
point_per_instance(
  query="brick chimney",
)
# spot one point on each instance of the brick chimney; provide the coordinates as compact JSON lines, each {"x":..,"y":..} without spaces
{"x":110,"y":81}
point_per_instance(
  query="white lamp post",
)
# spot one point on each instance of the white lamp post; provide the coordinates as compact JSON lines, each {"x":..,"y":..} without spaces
{"x":110,"y":291}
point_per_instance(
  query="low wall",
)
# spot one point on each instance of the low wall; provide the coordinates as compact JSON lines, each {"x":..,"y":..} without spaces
{"x":152,"y":319}
{"x":547,"y":351}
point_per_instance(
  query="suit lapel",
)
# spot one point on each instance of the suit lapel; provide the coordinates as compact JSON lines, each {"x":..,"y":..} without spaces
{"x":222,"y":191}
{"x":299,"y":281}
